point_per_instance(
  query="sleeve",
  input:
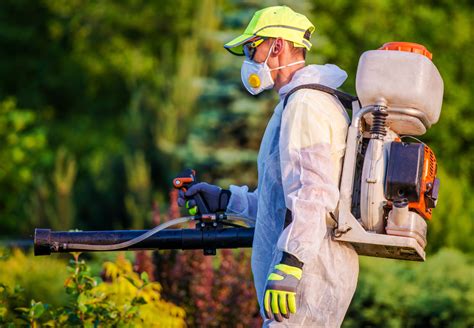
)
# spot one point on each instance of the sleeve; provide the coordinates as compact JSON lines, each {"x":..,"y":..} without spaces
{"x":307,"y":175}
{"x":243,"y":202}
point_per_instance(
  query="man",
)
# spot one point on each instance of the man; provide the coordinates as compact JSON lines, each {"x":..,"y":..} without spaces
{"x":302,"y":277}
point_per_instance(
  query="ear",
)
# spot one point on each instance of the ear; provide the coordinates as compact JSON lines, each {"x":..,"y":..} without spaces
{"x":278,"y":47}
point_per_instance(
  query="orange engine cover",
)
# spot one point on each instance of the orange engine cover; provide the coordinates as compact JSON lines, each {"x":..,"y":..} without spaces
{"x":428,"y":183}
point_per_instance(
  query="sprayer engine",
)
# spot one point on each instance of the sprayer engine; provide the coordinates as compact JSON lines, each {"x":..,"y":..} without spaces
{"x":398,"y":189}
{"x":411,"y":177}
{"x":389,"y":186}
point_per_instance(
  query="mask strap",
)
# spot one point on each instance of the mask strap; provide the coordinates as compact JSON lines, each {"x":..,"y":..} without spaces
{"x":280,"y":67}
{"x":292,"y":64}
{"x":269,"y":52}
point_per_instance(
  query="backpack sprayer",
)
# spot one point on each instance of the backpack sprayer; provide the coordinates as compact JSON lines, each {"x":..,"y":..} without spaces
{"x":388,"y":186}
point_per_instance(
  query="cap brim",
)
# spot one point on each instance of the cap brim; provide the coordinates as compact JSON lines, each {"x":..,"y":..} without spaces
{"x":235,"y":46}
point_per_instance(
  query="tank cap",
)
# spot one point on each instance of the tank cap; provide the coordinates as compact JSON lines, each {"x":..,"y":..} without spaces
{"x":409,"y":47}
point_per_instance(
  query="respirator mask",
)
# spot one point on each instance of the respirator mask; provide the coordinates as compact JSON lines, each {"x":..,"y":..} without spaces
{"x":257,"y":77}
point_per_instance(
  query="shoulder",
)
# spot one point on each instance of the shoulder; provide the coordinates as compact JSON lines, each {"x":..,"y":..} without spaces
{"x":317,"y":104}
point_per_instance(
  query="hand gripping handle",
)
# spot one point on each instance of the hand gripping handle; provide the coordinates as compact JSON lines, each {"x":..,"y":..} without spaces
{"x":186,"y":179}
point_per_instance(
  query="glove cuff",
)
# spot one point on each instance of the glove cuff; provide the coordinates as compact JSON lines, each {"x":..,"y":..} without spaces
{"x":291,"y":260}
{"x":224,"y":198}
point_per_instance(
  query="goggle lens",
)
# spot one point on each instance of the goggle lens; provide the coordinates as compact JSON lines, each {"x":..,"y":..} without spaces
{"x":251,"y":47}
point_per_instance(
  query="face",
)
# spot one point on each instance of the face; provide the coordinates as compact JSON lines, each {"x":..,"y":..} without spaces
{"x":279,"y":55}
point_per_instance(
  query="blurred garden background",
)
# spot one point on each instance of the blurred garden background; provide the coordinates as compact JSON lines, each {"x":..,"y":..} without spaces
{"x":103,"y":102}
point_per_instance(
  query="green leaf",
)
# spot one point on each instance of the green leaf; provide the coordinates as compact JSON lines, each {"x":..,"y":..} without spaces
{"x":133,"y":310}
{"x":82,"y":307}
{"x":37,"y":310}
{"x":144,"y":277}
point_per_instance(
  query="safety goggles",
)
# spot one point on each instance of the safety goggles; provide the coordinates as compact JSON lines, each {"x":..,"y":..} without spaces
{"x":251,"y":47}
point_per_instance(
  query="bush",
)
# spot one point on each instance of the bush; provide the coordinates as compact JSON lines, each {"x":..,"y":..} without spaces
{"x":215,"y":291}
{"x":438,"y":293}
{"x":40,"y":279}
{"x":123,"y":299}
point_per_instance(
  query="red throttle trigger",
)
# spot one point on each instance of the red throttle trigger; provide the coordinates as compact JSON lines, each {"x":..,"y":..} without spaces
{"x":186,"y":179}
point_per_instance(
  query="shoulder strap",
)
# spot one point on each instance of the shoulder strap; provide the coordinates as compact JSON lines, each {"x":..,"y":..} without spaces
{"x":345,"y":98}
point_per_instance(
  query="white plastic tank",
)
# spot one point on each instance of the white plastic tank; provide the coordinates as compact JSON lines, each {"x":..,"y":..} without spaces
{"x":401,"y":76}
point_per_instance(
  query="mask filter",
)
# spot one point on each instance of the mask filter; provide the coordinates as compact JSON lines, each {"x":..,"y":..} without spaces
{"x":254,"y":81}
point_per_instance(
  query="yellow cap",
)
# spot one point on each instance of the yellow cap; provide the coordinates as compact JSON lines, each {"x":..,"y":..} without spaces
{"x":275,"y":22}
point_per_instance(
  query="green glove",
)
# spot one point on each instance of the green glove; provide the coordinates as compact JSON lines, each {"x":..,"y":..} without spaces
{"x":280,"y":293}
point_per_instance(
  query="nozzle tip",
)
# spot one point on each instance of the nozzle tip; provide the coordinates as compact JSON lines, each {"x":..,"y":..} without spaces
{"x":42,"y":242}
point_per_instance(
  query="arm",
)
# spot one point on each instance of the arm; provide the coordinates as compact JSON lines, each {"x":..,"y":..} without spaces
{"x":243,"y":202}
{"x":307,"y":175}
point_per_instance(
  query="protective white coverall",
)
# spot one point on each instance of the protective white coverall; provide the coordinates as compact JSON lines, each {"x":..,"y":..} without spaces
{"x":299,"y":167}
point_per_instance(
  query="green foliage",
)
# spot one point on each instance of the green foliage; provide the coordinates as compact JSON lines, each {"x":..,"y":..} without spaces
{"x":65,"y":171}
{"x":41,"y":278}
{"x":452,"y":224}
{"x":23,"y":151}
{"x":438,"y":293}
{"x":51,"y":200}
{"x":9,"y":300}
{"x":32,"y":313}
{"x":124,"y":299}
{"x":138,"y":200}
